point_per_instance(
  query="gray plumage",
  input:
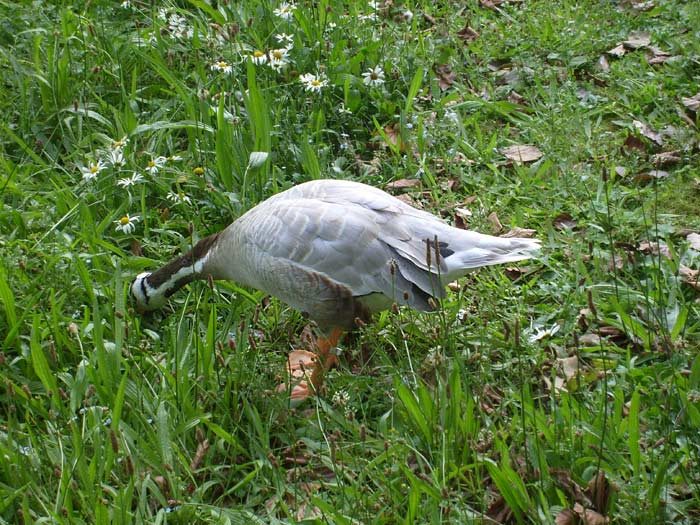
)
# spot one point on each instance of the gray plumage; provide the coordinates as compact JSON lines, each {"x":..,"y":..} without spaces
{"x":336,"y":250}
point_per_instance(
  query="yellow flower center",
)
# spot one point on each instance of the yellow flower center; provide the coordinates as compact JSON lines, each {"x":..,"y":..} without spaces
{"x":93,"y":169}
{"x":223,"y":65}
{"x":277,"y":54}
{"x":315,"y":82}
{"x":124,"y":220}
{"x":198,"y":170}
{"x":151,"y":164}
{"x":258,"y":54}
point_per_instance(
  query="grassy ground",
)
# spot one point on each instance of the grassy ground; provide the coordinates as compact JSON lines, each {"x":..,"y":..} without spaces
{"x":566,"y":390}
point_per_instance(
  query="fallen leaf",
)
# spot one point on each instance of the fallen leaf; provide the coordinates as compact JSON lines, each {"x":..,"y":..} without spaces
{"x":406,"y":198}
{"x":136,"y":248}
{"x":308,"y":512}
{"x":402,"y":184}
{"x":491,"y":4}
{"x":499,"y":511}
{"x":566,"y":517}
{"x":637,"y":39}
{"x":516,"y":98}
{"x":522,"y":153}
{"x":657,"y":56}
{"x":573,"y":489}
{"x":564,"y":221}
{"x":694,"y":241}
{"x":654,"y":248}
{"x":445,"y":76}
{"x":692,"y":103}
{"x":589,"y":340}
{"x":689,"y":276}
{"x":599,"y":490}
{"x":299,"y":393}
{"x":650,"y":175}
{"x":467,"y":34}
{"x":617,"y":51}
{"x":393,"y":136}
{"x":648,"y":132}
{"x":633,"y":142}
{"x":638,"y":5}
{"x":568,"y":366}
{"x":666,"y":158}
{"x":300,"y":363}
{"x":520,"y":232}
{"x":589,"y":517}
{"x":495,"y":222}
{"x":603,"y":64}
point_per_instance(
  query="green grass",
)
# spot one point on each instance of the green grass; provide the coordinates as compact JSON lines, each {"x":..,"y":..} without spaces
{"x":505,"y":407}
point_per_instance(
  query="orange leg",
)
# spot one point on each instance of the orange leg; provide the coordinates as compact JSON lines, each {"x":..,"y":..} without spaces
{"x":326,"y":359}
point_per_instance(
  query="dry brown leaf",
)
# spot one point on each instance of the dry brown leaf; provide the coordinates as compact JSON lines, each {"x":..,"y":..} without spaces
{"x":300,"y":363}
{"x":402,"y":184}
{"x":573,"y":489}
{"x":654,"y":248}
{"x":689,"y":276}
{"x":467,"y":34}
{"x":666,"y":158}
{"x":692,"y":103}
{"x":558,"y":386}
{"x":650,"y":175}
{"x":445,"y":76}
{"x":589,"y":340}
{"x":298,"y":393}
{"x":393,"y":136}
{"x":617,"y":51}
{"x":566,"y":517}
{"x":694,"y":240}
{"x":647,"y":132}
{"x":588,"y":516}
{"x":657,"y":56}
{"x":522,"y":153}
{"x":564,"y":221}
{"x":568,"y":366}
{"x":495,"y":222}
{"x":633,"y":142}
{"x":516,"y":98}
{"x":637,"y":39}
{"x":308,"y":512}
{"x":406,"y":198}
{"x":599,"y":490}
{"x":499,"y":511}
{"x":520,"y":232}
{"x":491,"y":4}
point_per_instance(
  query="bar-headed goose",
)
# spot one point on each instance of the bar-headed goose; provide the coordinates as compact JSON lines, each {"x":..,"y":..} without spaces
{"x":338,"y":251}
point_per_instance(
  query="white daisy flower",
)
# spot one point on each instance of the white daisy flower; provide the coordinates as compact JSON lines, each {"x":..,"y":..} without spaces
{"x":373,"y":77}
{"x":258,"y":57}
{"x":120,"y":144}
{"x":222,"y":66}
{"x":285,"y":10}
{"x":130,"y":181}
{"x":279,"y":58}
{"x":178,"y":198}
{"x":314,"y":83}
{"x":285,"y":39}
{"x":116,"y":158}
{"x":91,"y":171}
{"x":127,"y":224}
{"x":155,"y":164}
{"x":174,"y":158}
{"x":126,"y":4}
{"x":541,"y":333}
